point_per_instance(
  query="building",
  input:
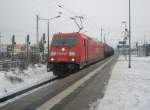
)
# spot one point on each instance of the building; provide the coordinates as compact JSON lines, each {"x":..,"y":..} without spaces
{"x":143,"y":50}
{"x":3,"y":48}
{"x":19,"y":48}
{"x":147,"y":49}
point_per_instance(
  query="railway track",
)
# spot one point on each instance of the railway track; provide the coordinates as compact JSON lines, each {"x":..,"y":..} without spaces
{"x":48,"y":92}
{"x":11,"y":96}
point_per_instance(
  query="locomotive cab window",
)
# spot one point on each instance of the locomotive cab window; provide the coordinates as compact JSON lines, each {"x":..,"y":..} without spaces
{"x":64,"y":41}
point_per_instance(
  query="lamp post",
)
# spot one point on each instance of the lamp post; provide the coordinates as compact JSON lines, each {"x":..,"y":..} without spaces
{"x":27,"y":48}
{"x":13,"y":46}
{"x":48,"y":22}
{"x":0,"y":41}
{"x":101,"y":34}
{"x":37,"y":30}
{"x":47,"y":40}
{"x":129,"y":34}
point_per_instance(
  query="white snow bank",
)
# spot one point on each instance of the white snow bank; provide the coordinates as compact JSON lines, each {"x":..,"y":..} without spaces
{"x":128,"y":89}
{"x":16,"y":80}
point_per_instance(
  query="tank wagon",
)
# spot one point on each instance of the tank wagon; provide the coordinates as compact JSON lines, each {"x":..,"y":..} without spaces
{"x":108,"y":50}
{"x":70,"y":52}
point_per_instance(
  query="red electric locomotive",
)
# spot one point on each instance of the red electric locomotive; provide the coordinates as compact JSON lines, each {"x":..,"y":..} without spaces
{"x":71,"y":51}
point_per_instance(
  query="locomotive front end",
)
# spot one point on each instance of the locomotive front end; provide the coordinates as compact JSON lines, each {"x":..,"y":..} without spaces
{"x":63,"y":53}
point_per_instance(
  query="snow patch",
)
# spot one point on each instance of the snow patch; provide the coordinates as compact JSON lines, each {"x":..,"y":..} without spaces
{"x":128,"y":89}
{"x":17,"y":80}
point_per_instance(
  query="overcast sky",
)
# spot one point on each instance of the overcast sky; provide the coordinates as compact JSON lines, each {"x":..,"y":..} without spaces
{"x":18,"y":17}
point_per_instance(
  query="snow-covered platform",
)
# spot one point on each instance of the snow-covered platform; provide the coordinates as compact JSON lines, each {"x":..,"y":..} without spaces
{"x":16,"y":80}
{"x":128,"y":89}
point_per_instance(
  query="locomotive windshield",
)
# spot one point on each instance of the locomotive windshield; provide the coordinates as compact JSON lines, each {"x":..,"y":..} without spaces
{"x":64,"y":41}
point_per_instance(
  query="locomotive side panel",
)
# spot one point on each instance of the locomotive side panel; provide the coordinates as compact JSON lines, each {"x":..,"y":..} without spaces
{"x":108,"y":50}
{"x":95,"y":51}
{"x":71,"y":51}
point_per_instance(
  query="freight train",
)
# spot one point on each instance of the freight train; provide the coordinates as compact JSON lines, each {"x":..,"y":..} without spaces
{"x":70,"y":52}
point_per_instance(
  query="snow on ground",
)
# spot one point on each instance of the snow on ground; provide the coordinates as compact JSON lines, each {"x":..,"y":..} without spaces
{"x":16,"y":80}
{"x":128,"y":89}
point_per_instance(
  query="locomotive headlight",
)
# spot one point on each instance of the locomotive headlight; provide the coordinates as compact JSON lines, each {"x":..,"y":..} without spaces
{"x":63,"y":49}
{"x":72,"y":53}
{"x":52,"y":59}
{"x":72,"y":59}
{"x":52,"y":53}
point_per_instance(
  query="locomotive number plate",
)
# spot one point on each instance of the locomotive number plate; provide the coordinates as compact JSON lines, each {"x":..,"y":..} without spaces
{"x":62,"y":53}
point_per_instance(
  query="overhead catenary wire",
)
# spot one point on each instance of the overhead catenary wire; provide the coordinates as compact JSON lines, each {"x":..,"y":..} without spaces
{"x":72,"y":13}
{"x":76,"y":14}
{"x":87,"y":23}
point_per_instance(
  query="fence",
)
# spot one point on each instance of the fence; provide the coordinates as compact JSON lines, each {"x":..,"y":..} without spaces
{"x":6,"y":65}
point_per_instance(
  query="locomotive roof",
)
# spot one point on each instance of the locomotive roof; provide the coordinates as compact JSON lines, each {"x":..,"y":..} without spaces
{"x":75,"y":33}
{"x":63,"y":34}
